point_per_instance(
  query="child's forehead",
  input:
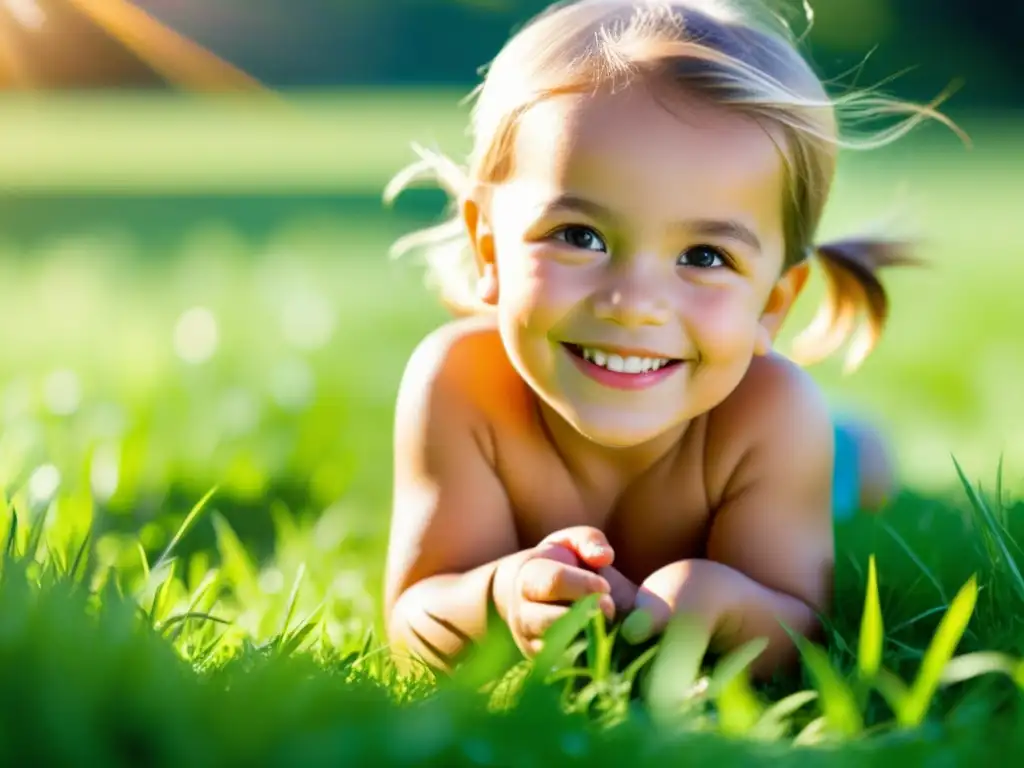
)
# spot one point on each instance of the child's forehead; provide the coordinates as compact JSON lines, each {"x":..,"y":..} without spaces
{"x":652,"y":144}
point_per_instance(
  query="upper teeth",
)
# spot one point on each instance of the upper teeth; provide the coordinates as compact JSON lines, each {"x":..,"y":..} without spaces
{"x":624,"y":364}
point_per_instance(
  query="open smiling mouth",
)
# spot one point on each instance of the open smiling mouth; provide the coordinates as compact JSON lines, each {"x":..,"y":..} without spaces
{"x":623,"y":371}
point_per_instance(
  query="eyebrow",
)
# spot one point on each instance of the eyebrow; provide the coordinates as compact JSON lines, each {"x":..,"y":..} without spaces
{"x":722,"y":228}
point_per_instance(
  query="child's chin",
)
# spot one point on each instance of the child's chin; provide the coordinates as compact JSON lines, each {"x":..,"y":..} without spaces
{"x":617,"y":433}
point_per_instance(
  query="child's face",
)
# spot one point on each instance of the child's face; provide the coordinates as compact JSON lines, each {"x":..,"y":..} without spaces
{"x":628,"y":232}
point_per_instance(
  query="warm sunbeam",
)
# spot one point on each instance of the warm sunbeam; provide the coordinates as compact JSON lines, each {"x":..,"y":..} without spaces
{"x":14,"y":70}
{"x":177,"y":60}
{"x":181,"y":61}
{"x":26,"y":12}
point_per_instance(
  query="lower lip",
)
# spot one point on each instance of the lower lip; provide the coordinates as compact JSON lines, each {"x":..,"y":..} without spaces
{"x":622,"y":380}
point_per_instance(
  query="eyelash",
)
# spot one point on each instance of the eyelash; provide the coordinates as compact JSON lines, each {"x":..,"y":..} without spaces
{"x":721,"y":254}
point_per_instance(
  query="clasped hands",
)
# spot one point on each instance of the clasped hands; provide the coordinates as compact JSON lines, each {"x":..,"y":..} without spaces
{"x":574,"y":563}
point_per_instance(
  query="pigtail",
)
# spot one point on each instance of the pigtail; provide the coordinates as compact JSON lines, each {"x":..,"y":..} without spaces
{"x":853,"y":288}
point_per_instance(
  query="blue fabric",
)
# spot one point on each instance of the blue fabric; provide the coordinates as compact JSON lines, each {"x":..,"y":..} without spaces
{"x":846,"y":475}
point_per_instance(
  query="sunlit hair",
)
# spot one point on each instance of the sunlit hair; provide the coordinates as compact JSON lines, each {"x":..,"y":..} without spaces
{"x":734,"y":55}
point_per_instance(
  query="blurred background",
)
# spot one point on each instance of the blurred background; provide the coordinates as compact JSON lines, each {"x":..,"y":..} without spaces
{"x":194,"y":281}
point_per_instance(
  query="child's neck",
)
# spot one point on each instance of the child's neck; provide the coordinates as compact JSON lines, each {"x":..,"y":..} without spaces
{"x":606,"y":469}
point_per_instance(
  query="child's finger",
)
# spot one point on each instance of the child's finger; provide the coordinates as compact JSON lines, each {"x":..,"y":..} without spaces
{"x":650,"y":616}
{"x":589,"y":543}
{"x":557,"y":552}
{"x":623,"y":591}
{"x":607,"y":605}
{"x":535,"y":619}
{"x":549,"y":581}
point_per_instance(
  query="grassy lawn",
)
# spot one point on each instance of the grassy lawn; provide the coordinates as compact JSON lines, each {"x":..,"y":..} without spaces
{"x":218,"y":311}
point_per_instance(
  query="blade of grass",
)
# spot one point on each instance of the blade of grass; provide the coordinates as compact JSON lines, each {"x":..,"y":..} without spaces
{"x":572,"y":673}
{"x":299,"y":635}
{"x":773,"y":718}
{"x":143,"y":560}
{"x":838,"y":703}
{"x":813,"y":732}
{"x":995,"y":530}
{"x":210,"y":580}
{"x":633,"y":669}
{"x":909,"y":651}
{"x":739,"y":709}
{"x":891,"y":688}
{"x":186,"y":525}
{"x":80,"y":555}
{"x":872,"y":633}
{"x":938,"y":655}
{"x":35,"y":534}
{"x":235,"y":563}
{"x":12,"y":535}
{"x":1001,"y":505}
{"x":919,"y":617}
{"x":200,"y":592}
{"x":149,"y":590}
{"x":160,"y":603}
{"x":290,"y":610}
{"x":207,"y":651}
{"x":181,"y":618}
{"x":916,"y":560}
{"x":57,"y":559}
{"x":735,"y":663}
{"x":368,"y":642}
{"x":599,"y":648}
{"x":560,"y":636}
{"x":575,"y":650}
{"x":971,"y":665}
{"x":677,"y":666}
{"x":999,"y":484}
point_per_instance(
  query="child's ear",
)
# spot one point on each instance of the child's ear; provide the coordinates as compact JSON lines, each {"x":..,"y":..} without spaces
{"x":780,"y":301}
{"x":481,"y":240}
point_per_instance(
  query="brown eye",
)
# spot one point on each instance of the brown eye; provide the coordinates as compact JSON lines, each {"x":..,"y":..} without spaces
{"x":581,"y":237}
{"x":703,"y":257}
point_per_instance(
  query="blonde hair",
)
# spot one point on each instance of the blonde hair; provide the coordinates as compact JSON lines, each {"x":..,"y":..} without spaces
{"x":745,"y":59}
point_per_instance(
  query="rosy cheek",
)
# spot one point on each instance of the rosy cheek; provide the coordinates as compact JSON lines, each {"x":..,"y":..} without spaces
{"x":719,"y":321}
{"x":538,"y":282}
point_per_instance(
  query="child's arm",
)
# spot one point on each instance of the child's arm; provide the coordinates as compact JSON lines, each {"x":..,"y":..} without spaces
{"x":775,"y":522}
{"x":451,"y":520}
{"x":770,"y":549}
{"x":453,"y":550}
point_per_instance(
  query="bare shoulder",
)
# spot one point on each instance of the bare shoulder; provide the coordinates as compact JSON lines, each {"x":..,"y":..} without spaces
{"x":777,"y":418}
{"x":463,"y":359}
{"x":450,"y":351}
{"x":776,"y":391}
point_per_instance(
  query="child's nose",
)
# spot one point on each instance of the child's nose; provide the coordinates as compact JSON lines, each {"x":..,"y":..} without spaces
{"x":633,"y":304}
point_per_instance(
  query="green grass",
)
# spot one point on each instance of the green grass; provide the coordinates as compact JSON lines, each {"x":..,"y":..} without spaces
{"x":258,"y":633}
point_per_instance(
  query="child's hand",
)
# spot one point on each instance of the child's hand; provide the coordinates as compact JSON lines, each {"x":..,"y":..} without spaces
{"x":623,"y":592}
{"x":700,"y":588}
{"x":557,"y":574}
{"x":593,"y":551}
{"x":587,"y":543}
